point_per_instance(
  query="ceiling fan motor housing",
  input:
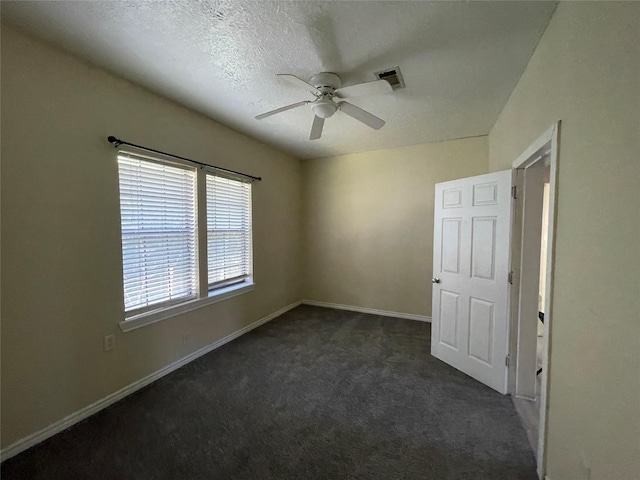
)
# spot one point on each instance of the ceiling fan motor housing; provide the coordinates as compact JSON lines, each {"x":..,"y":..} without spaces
{"x":326,"y":80}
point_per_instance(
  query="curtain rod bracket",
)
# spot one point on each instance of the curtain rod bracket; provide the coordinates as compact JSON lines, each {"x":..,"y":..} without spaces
{"x":116,"y":142}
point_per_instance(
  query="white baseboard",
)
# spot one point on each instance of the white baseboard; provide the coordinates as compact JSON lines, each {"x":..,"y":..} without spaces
{"x":373,"y":311}
{"x":89,"y":410}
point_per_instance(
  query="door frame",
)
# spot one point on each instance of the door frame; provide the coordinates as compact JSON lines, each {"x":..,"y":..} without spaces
{"x":546,"y":144}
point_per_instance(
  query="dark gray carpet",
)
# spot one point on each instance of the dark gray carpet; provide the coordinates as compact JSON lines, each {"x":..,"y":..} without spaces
{"x":314,"y":394}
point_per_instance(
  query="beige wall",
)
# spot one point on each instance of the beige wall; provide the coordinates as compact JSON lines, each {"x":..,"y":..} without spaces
{"x":586,"y":72}
{"x":61,"y":264}
{"x":368,"y":230}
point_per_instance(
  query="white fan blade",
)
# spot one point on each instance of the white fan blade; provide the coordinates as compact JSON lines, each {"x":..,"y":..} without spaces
{"x":281,"y":109}
{"x":362,"y":115}
{"x":316,"y":128}
{"x":298,"y":82}
{"x":362,"y":89}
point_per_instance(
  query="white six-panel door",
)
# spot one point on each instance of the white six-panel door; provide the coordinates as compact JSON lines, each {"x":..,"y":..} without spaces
{"x":471,"y":270}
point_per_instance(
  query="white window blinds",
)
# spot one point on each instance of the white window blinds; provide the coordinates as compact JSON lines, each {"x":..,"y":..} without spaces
{"x":159,"y":232}
{"x":228,"y":230}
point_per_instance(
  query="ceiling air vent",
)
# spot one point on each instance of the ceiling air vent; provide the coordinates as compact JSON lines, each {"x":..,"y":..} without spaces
{"x":393,"y":76}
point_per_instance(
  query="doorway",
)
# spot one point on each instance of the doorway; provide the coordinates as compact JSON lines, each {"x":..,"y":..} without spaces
{"x":531,"y":219}
{"x":534,"y":180}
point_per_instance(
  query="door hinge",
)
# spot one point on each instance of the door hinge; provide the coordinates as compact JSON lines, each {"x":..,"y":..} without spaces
{"x":510,"y":278}
{"x":507,"y":360}
{"x":514,"y":191}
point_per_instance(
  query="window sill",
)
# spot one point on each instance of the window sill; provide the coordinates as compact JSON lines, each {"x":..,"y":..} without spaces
{"x":147,"y":318}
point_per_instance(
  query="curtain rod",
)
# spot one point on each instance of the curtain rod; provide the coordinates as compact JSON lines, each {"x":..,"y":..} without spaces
{"x":117,"y":142}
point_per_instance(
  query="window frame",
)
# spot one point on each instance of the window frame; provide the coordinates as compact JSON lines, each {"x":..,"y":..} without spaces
{"x":205,"y":295}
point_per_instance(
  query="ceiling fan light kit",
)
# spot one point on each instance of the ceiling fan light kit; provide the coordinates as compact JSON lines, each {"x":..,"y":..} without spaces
{"x":330,"y":95}
{"x":324,"y":108}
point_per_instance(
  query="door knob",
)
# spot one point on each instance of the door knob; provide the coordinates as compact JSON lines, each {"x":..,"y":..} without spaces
{"x":435,"y":280}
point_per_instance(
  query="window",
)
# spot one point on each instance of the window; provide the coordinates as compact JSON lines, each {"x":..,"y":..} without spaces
{"x":158,"y":214}
{"x":228,"y":231}
{"x":164,"y":268}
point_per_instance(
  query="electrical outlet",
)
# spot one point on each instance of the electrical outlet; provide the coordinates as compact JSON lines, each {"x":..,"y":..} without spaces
{"x":109,"y":342}
{"x":185,"y":338}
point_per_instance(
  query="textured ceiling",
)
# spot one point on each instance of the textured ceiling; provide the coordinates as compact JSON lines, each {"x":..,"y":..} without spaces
{"x":460,"y":60}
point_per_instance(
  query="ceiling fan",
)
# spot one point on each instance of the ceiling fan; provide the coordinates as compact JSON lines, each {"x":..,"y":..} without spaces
{"x":330,"y":95}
